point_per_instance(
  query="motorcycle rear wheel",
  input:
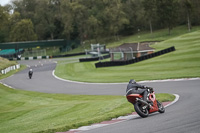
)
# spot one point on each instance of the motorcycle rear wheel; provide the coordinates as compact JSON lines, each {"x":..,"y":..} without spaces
{"x":161,"y":108}
{"x":140,"y":111}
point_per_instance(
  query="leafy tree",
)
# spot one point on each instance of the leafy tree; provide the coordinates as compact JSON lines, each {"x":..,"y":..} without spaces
{"x":186,"y":13}
{"x":115,"y":17}
{"x":135,"y":14}
{"x":23,"y":31}
{"x":167,"y":12}
{"x":80,"y":17}
{"x":67,"y":18}
{"x":150,"y":11}
{"x":196,"y":11}
{"x":46,"y":17}
{"x":4,"y":21}
{"x":2,"y":16}
{"x":188,"y":9}
{"x":96,"y":19}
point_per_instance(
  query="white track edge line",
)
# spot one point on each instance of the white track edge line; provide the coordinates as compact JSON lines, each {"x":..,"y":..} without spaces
{"x":175,"y":100}
{"x":147,"y":81}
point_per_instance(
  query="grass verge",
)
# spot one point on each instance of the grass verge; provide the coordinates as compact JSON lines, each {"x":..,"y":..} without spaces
{"x":12,"y":72}
{"x":182,"y":63}
{"x":4,"y":63}
{"x":24,"y":111}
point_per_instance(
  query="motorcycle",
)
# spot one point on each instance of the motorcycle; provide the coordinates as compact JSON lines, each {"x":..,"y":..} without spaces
{"x":143,"y":108}
{"x":30,"y":73}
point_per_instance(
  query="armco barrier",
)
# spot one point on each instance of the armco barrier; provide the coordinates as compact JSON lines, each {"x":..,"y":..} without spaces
{"x":119,"y":63}
{"x":30,"y":58}
{"x":46,"y":57}
{"x":8,"y":69}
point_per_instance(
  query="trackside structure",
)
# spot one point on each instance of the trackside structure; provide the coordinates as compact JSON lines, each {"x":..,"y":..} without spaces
{"x":128,"y":51}
{"x":135,"y":60}
{"x":12,"y":50}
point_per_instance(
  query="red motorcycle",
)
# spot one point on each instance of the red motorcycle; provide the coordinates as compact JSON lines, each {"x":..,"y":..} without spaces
{"x":143,"y":108}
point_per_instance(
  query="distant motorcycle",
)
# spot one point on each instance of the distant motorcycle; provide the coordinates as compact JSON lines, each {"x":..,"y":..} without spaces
{"x":30,"y":73}
{"x":143,"y":108}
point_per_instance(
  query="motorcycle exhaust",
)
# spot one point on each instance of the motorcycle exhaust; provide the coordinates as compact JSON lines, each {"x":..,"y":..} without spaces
{"x":142,"y":101}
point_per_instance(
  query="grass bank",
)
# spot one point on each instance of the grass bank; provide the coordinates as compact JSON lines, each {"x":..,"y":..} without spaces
{"x":4,"y":63}
{"x":182,"y":63}
{"x":157,"y":35}
{"x":27,"y":112}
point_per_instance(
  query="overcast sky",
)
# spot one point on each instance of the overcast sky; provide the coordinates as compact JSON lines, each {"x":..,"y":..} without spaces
{"x":4,"y":2}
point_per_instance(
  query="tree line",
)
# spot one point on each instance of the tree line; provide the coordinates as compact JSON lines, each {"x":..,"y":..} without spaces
{"x":28,"y":20}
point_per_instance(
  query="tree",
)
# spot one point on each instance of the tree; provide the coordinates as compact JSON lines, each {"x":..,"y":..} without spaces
{"x":118,"y":17}
{"x":3,"y":16}
{"x":23,"y":31}
{"x":26,"y":8}
{"x":167,"y":12}
{"x":134,"y":12}
{"x":4,"y":22}
{"x":150,"y":11}
{"x":187,"y":5}
{"x":97,"y":19}
{"x":113,"y":18}
{"x":80,"y":17}
{"x":196,"y":11}
{"x":93,"y":28}
{"x":47,"y":18}
{"x":67,"y":19}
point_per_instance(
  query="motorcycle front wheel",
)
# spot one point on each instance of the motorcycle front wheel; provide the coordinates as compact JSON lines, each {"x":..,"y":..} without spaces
{"x":141,"y":109}
{"x":161,"y":108}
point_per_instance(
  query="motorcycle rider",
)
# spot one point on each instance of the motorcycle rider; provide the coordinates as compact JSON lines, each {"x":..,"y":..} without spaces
{"x":135,"y":88}
{"x":30,"y":73}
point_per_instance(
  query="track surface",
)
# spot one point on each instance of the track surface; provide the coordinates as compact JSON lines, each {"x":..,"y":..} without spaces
{"x":182,"y":117}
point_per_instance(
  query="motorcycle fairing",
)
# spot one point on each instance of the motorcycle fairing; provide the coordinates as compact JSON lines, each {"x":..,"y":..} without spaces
{"x":132,"y":97}
{"x":154,"y":108}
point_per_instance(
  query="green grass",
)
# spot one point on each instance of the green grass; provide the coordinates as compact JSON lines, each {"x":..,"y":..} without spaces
{"x":158,"y":35}
{"x":12,"y":72}
{"x":27,"y":112}
{"x":182,"y":63}
{"x":4,"y":63}
{"x":24,"y":111}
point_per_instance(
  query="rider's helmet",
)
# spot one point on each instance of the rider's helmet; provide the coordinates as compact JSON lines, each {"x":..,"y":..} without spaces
{"x":30,"y":70}
{"x":132,"y":81}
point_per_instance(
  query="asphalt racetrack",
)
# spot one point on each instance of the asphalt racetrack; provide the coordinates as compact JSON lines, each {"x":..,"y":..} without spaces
{"x":181,"y":117}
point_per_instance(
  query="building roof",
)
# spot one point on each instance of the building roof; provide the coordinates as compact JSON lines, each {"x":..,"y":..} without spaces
{"x":132,"y":47}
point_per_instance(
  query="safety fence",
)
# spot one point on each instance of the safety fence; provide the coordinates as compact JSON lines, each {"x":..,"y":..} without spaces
{"x":30,"y":58}
{"x":145,"y":57}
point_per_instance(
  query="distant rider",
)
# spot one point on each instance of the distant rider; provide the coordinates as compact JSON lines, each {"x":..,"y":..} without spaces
{"x":135,"y":88}
{"x":30,"y":73}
